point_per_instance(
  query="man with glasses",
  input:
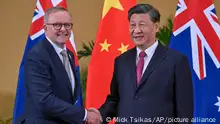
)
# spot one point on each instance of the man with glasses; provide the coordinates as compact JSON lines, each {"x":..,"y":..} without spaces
{"x":51,"y":84}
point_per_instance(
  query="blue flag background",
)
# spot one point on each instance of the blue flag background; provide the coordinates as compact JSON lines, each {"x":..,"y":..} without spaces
{"x":206,"y":90}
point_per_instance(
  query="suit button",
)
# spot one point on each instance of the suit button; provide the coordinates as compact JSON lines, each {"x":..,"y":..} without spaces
{"x":136,"y":97}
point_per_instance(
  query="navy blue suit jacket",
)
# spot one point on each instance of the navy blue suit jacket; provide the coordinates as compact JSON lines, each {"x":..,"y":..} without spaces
{"x":165,"y":89}
{"x":48,"y":98}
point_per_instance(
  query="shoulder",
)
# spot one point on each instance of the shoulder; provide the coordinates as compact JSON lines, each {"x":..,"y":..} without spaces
{"x":175,"y":55}
{"x":124,"y":56}
{"x":38,"y":51}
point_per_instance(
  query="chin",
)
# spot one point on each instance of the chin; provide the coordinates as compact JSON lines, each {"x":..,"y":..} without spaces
{"x":139,"y":43}
{"x":63,"y":40}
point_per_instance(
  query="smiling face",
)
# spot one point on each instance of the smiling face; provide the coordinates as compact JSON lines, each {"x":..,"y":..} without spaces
{"x":143,"y":30}
{"x":58,"y":19}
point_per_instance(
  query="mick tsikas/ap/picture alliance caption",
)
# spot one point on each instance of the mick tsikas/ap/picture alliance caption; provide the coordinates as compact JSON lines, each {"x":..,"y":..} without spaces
{"x":161,"y":120}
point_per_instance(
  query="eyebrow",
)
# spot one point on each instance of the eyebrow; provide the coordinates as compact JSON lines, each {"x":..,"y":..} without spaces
{"x":139,"y":22}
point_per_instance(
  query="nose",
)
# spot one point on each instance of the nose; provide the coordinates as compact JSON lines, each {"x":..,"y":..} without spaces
{"x":137,"y":30}
{"x":62,"y":28}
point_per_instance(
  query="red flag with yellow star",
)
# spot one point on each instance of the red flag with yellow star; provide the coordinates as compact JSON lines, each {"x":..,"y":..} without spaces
{"x":112,"y":40}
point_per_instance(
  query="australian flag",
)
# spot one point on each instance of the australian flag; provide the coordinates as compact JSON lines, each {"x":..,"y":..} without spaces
{"x":196,"y":33}
{"x":35,"y":35}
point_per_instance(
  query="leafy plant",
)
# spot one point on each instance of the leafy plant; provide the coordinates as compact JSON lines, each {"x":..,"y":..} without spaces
{"x":83,"y":79}
{"x":6,"y":121}
{"x":86,"y":49}
{"x":85,"y":52}
{"x":165,"y":32}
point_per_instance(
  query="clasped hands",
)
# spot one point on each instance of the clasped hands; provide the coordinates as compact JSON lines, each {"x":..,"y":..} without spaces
{"x":93,"y":116}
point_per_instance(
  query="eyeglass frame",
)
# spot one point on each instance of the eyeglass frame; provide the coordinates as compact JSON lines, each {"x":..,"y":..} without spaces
{"x":61,"y":25}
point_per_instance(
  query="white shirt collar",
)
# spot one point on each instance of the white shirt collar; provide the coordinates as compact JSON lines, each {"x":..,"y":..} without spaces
{"x":149,"y":51}
{"x":57,"y":48}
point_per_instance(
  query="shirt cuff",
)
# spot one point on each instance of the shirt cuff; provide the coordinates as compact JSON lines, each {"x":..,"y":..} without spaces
{"x":85,"y":115}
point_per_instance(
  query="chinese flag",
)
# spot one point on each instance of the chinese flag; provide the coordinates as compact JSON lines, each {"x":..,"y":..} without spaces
{"x":112,"y":40}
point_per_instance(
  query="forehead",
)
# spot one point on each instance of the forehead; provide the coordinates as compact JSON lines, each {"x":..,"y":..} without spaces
{"x":140,"y":17}
{"x":60,"y":16}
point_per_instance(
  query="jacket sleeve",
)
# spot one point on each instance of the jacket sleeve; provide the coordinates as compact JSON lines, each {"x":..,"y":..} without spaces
{"x":183,"y":89}
{"x":38,"y":87}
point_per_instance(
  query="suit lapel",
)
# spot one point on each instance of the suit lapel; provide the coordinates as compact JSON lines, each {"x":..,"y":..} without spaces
{"x":73,"y":66}
{"x":72,"y":63}
{"x":156,"y":59}
{"x":132,"y":66}
{"x":57,"y":62}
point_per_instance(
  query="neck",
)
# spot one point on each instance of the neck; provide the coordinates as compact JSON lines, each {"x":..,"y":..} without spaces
{"x":60,"y":45}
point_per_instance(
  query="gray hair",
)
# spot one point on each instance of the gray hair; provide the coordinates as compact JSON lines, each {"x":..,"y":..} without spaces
{"x":52,"y":10}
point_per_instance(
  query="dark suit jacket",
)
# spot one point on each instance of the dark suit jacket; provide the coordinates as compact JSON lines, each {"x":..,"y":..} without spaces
{"x":48,"y":96}
{"x":165,"y":89}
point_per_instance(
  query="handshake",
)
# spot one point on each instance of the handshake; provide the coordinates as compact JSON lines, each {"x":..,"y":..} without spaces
{"x":93,"y":116}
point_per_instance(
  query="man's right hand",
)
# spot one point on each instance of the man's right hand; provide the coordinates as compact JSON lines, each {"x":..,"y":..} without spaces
{"x":93,"y":116}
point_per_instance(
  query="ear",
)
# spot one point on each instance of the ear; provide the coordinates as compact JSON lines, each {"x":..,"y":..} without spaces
{"x":157,"y":26}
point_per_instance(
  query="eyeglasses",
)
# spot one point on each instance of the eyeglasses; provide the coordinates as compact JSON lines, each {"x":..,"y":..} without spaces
{"x":58,"y":26}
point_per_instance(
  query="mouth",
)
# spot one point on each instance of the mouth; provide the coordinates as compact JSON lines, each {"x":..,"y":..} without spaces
{"x":138,"y":38}
{"x":62,"y":34}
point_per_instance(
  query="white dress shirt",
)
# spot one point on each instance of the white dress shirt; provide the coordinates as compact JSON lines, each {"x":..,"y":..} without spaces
{"x":149,"y":53}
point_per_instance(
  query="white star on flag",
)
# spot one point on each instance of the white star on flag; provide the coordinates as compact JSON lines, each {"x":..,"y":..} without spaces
{"x":218,"y":103}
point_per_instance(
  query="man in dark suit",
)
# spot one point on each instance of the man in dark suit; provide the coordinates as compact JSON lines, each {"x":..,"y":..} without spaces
{"x":52,"y":87}
{"x":151,"y":83}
